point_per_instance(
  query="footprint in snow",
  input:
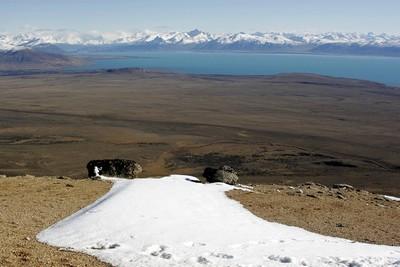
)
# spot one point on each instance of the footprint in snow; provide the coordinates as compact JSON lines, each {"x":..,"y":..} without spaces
{"x":282,"y":259}
{"x":166,"y":256}
{"x":154,"y":250}
{"x":158,"y":251}
{"x":103,"y":245}
{"x":222,"y":256}
{"x":202,"y":260}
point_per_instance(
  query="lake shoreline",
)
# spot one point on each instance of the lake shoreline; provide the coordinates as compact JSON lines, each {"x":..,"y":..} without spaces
{"x":372,"y":68}
{"x":16,"y":73}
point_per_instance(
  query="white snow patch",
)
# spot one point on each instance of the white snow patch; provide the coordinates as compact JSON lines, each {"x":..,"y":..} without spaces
{"x":392,"y":198}
{"x":175,"y":222}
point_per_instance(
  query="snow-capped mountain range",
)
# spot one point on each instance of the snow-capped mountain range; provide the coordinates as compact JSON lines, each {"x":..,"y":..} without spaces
{"x":199,"y":40}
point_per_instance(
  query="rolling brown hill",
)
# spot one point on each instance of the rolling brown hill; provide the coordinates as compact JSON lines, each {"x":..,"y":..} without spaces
{"x":32,"y":59}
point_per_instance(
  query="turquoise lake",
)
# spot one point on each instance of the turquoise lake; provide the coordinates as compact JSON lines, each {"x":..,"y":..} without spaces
{"x":380,"y":69}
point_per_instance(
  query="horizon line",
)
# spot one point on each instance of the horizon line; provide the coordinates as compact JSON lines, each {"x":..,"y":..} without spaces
{"x":187,"y":31}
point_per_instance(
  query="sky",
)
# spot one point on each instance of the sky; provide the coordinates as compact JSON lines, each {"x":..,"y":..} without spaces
{"x":216,"y":16}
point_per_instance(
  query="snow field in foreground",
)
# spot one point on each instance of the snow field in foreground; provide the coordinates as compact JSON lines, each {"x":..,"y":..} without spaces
{"x":175,"y":222}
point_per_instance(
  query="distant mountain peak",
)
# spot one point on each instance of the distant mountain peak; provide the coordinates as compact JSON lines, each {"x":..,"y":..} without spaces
{"x":194,"y":32}
{"x":197,"y":39}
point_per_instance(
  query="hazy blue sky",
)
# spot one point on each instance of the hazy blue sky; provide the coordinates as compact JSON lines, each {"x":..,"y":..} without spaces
{"x":209,"y":15}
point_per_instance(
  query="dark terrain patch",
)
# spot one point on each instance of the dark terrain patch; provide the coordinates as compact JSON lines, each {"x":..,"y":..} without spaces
{"x":337,"y":163}
{"x":209,"y":159}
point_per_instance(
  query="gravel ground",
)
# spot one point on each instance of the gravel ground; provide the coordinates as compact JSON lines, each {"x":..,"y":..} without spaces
{"x":28,"y":205}
{"x":343,"y":212}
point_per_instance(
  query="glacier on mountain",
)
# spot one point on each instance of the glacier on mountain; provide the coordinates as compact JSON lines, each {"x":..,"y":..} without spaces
{"x":200,"y":40}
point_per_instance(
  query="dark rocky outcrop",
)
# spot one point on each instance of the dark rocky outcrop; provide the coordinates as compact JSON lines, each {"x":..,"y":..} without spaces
{"x":224,"y":174}
{"x":114,"y":168}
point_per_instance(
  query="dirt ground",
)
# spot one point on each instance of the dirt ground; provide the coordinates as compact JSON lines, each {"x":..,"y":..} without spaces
{"x":29,"y":205}
{"x":272,"y":129}
{"x":352,"y":214}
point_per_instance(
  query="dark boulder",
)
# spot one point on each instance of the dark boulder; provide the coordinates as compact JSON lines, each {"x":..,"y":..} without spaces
{"x":209,"y":174}
{"x":122,"y":168}
{"x":224,"y":174}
